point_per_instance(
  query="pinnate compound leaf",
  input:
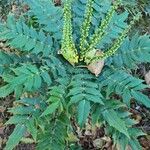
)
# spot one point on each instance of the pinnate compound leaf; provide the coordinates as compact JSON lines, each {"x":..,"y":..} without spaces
{"x":15,"y":137}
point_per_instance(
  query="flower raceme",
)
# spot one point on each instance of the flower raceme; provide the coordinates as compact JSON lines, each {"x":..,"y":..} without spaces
{"x":87,"y":52}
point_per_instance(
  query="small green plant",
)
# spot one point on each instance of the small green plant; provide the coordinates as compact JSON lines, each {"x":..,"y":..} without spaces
{"x":58,"y":104}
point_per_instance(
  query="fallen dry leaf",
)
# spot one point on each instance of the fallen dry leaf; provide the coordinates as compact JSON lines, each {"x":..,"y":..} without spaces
{"x":2,"y":109}
{"x":2,"y":130}
{"x":25,"y":8}
{"x":145,"y":143}
{"x":138,"y":118}
{"x":147,"y":78}
{"x":57,"y":2}
{"x":129,"y":148}
{"x":96,"y":67}
{"x":1,"y":142}
{"x":109,"y":144}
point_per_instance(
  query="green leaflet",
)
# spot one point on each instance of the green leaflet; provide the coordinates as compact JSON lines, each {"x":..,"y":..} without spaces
{"x":135,"y":132}
{"x":56,"y":98}
{"x":51,"y":109}
{"x":18,"y":91}
{"x":127,"y":97}
{"x":15,"y":137}
{"x":113,"y":120}
{"x":37,"y":82}
{"x":76,"y":99}
{"x":113,"y":104}
{"x":32,"y":129}
{"x":17,"y":119}
{"x":6,"y":60}
{"x":83,"y":111}
{"x":141,"y":98}
{"x":6,"y":90}
{"x":122,"y":143}
{"x":22,"y":110}
{"x":46,"y":77}
{"x":135,"y":144}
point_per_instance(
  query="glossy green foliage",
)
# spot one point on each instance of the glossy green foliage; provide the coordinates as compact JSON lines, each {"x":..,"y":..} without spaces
{"x":52,"y":97}
{"x":24,"y":38}
{"x":25,"y":116}
{"x":28,"y":77}
{"x":133,"y":52}
{"x":125,"y":85}
{"x":84,"y":92}
{"x":53,"y":136}
{"x":48,"y":16}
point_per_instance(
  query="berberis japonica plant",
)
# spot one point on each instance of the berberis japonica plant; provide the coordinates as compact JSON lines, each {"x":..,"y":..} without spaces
{"x":69,"y":69}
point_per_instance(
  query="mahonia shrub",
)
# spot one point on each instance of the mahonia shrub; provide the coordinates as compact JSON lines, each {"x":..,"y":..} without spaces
{"x":69,"y":69}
